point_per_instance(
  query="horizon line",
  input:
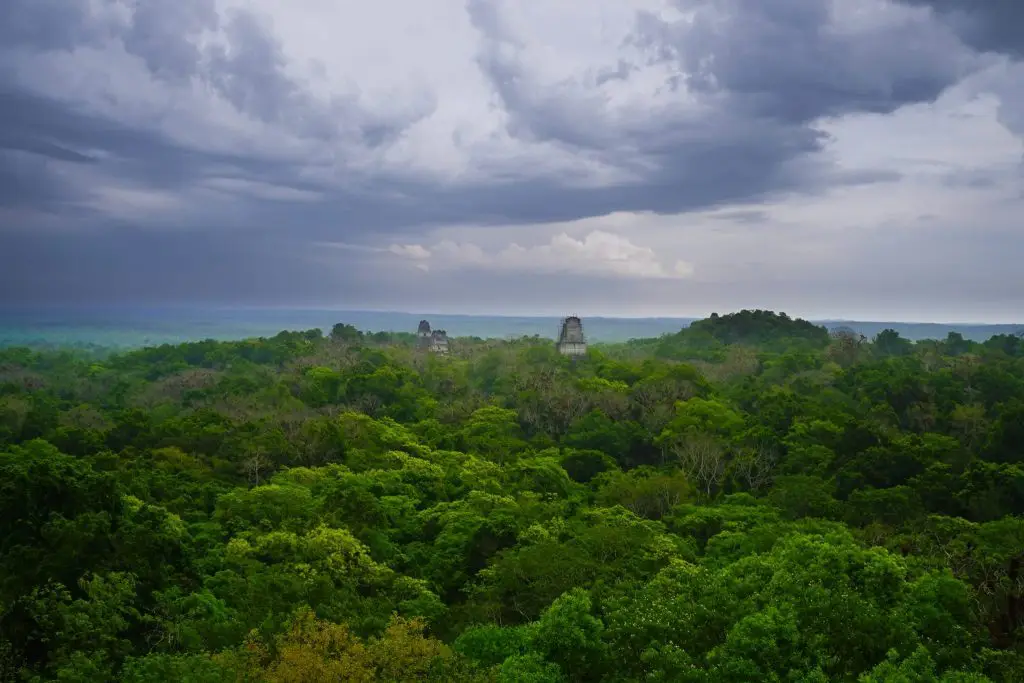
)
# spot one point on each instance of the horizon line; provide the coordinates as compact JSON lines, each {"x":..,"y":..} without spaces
{"x":536,"y":316}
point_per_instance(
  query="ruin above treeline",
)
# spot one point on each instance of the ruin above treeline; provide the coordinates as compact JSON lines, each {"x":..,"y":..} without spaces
{"x":571,"y":340}
{"x":435,"y":341}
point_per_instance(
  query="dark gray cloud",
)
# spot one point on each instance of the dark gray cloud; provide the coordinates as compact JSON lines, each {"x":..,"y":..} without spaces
{"x":769,"y":61}
{"x":126,"y":265}
{"x":164,"y":35}
{"x":250,"y":72}
{"x":774,"y":69}
{"x":26,"y":183}
{"x":40,"y":136}
{"x":744,"y":86}
{"x":50,"y":24}
{"x":764,"y":73}
{"x":989,"y":25}
{"x":784,"y":60}
{"x":248,"y":69}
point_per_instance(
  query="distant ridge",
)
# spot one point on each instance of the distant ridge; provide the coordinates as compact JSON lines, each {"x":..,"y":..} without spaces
{"x":139,"y":326}
{"x":919,"y":331}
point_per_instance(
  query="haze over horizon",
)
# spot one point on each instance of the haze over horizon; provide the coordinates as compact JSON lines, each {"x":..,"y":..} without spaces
{"x":651,"y":158}
{"x":39,"y":316}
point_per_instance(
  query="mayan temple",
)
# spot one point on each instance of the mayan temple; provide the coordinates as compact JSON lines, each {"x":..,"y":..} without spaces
{"x":571,"y":341}
{"x":423,"y":335}
{"x":435,"y":341}
{"x":439,"y":341}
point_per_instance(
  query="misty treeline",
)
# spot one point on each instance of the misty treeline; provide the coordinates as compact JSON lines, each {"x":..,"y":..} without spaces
{"x":751,"y":499}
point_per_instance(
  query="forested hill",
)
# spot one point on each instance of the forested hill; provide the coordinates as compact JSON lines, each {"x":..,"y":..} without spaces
{"x":751,"y":499}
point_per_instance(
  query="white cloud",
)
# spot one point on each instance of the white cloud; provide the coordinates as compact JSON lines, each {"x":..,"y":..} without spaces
{"x":412,"y":251}
{"x":597,"y":253}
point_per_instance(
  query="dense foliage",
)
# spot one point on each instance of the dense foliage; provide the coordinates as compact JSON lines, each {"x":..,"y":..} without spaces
{"x":752,"y":499}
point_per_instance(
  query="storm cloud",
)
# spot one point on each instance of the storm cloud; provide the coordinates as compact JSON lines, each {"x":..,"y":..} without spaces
{"x":992,"y":25}
{"x":686,"y":153}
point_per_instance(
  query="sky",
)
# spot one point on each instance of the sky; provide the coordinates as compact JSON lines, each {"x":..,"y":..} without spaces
{"x":826,"y":158}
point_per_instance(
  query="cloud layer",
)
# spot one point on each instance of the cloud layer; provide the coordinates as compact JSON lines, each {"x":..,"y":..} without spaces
{"x":598,"y":253}
{"x":691,"y":153}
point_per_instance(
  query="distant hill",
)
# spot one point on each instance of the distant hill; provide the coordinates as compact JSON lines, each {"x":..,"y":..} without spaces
{"x":759,"y":327}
